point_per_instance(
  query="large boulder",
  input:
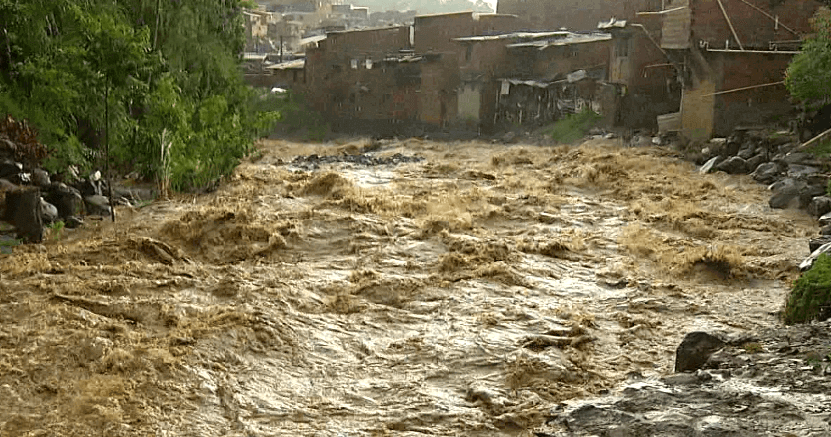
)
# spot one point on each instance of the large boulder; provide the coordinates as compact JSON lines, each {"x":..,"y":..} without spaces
{"x":733,"y":165}
{"x":40,"y":177}
{"x":766,"y":173}
{"x":786,"y":193}
{"x":48,"y":212}
{"x":819,"y":206}
{"x":807,"y":263}
{"x":67,"y":199}
{"x":710,"y":165}
{"x":695,"y":350}
{"x":97,"y":205}
{"x":23,"y":210}
{"x":9,"y":169}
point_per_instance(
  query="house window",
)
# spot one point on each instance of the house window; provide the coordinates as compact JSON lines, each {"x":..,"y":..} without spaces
{"x":469,"y":52}
{"x":368,"y":64}
{"x":354,"y":64}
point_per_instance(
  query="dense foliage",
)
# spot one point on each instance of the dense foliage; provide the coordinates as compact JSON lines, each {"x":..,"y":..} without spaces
{"x":164,"y":75}
{"x":809,"y":74}
{"x":810,"y":297}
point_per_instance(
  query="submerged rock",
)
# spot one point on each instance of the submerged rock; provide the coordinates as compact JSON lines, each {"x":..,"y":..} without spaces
{"x":694,"y":351}
{"x":23,"y":210}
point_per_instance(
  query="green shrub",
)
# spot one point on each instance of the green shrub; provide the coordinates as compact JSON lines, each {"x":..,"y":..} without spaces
{"x":810,"y":297}
{"x":573,"y":127}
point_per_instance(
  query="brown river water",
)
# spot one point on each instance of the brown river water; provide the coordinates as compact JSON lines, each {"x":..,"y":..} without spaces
{"x":466,"y":294}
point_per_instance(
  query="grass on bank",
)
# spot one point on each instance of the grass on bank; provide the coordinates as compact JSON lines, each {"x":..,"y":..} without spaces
{"x":572,"y":127}
{"x":810,"y":296}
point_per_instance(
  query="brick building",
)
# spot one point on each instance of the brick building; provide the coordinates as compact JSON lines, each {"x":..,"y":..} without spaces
{"x":732,"y":55}
{"x":566,"y":14}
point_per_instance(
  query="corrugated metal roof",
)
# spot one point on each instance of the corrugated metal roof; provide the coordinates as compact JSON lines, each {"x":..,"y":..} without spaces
{"x":514,"y":35}
{"x":574,"y":38}
{"x":312,"y":39}
{"x":295,"y":64}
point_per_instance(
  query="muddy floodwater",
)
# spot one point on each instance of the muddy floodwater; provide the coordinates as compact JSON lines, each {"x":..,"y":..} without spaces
{"x":402,"y":288}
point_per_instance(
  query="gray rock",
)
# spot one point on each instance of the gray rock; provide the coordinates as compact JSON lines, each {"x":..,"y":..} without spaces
{"x":23,"y":211}
{"x":48,"y":212}
{"x":68,"y":200}
{"x":825,"y":230}
{"x":747,"y":152}
{"x":40,"y":177}
{"x":801,"y":171}
{"x":733,"y":165}
{"x":802,"y":158}
{"x":73,"y":222}
{"x":681,"y":379}
{"x":97,"y":205}
{"x":6,"y":185}
{"x":766,"y":173}
{"x":9,"y":168}
{"x":819,"y":206}
{"x":709,"y":165}
{"x":816,"y":243}
{"x":754,"y":161}
{"x":786,"y":193}
{"x":825,"y":220}
{"x":807,"y":263}
{"x":694,"y":351}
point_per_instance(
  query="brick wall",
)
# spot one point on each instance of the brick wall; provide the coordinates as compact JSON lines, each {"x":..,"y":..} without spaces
{"x":756,"y":106}
{"x":755,"y":30}
{"x":571,"y":14}
{"x":435,"y":33}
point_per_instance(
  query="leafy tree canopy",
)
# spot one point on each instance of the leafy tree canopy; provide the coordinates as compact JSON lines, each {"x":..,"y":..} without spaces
{"x":163,"y":77}
{"x":809,"y":74}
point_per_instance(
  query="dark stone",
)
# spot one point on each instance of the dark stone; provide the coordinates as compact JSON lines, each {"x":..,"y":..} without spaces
{"x":747,"y":151}
{"x":73,"y":222}
{"x":67,"y":199}
{"x":9,"y":168}
{"x":97,"y":205}
{"x":801,"y":171}
{"x":90,"y":188}
{"x":40,"y":177}
{"x":755,"y":161}
{"x":5,"y":185}
{"x":807,"y":263}
{"x":800,"y":158}
{"x":766,"y":173}
{"x":23,"y":211}
{"x":733,"y":165}
{"x":48,"y":212}
{"x":825,"y":230}
{"x":819,"y":206}
{"x":816,"y":243}
{"x":786,"y":193}
{"x":694,"y":351}
{"x":709,"y":165}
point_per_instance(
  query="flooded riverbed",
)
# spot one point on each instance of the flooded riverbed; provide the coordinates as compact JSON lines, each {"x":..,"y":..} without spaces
{"x":460,"y":289}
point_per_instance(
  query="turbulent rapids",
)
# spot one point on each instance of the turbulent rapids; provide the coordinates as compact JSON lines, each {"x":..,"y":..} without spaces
{"x":401,"y":288}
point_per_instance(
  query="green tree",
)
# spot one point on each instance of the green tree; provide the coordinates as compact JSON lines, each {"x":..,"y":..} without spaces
{"x":809,"y":74}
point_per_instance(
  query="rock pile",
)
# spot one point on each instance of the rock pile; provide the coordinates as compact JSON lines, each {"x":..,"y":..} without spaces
{"x":796,"y":178}
{"x":29,"y":198}
{"x":740,"y":385}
